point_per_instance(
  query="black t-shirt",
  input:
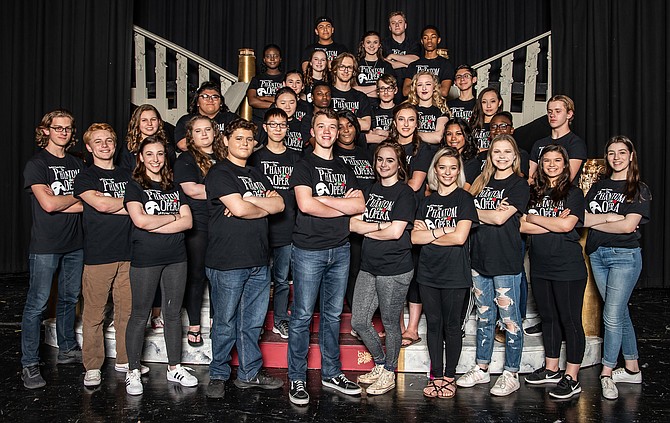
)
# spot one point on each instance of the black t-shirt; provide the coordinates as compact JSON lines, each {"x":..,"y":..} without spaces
{"x":420,"y":161}
{"x":428,"y":117}
{"x":359,"y":161}
{"x":558,"y":256}
{"x":482,"y":136}
{"x":153,"y":249}
{"x":221,"y":118}
{"x":325,"y":177}
{"x":446,"y":266}
{"x":352,"y":100}
{"x":439,"y":66}
{"x":381,"y":118}
{"x":278,"y":169}
{"x":461,"y":109}
{"x":370,"y":71}
{"x":332,"y":50}
{"x":575,"y":147}
{"x":386,"y":204}
{"x":474,"y":167}
{"x":53,"y":233}
{"x":106,"y":235}
{"x":186,"y":170}
{"x":265,"y":86}
{"x":408,"y":46}
{"x":303,"y":110}
{"x":496,"y":249}
{"x":297,"y":135}
{"x":607,"y":196}
{"x":235,"y":243}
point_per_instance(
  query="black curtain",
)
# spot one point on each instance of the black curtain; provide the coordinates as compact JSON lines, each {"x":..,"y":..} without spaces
{"x":471,"y":30}
{"x":611,"y":58}
{"x":74,"y":54}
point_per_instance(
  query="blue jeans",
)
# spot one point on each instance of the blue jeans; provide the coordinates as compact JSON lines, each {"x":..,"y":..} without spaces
{"x":281,"y":263}
{"x":42,"y":269}
{"x":240,"y":298}
{"x":616,"y":271}
{"x":489,"y":291}
{"x":324,"y":274}
{"x":523,"y":293}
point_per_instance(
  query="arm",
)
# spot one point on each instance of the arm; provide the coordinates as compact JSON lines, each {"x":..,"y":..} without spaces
{"x":445,"y":86}
{"x":496,"y":217}
{"x":575,"y":165}
{"x":352,"y":203}
{"x":554,"y":224}
{"x":444,"y":237}
{"x":102,"y":203}
{"x":401,"y":60}
{"x":184,"y":223}
{"x":259,"y":102}
{"x":627,"y":225}
{"x":304,"y":66}
{"x":531,"y":228}
{"x":370,"y":91}
{"x":310,"y":205}
{"x":417,"y":180}
{"x":389,"y":232}
{"x":376,"y":136}
{"x":356,"y":224}
{"x":532,"y":168}
{"x":241,"y":208}
{"x":365,"y":123}
{"x":193,"y":190}
{"x":406,"y":85}
{"x":436,"y":136}
{"x":272,"y":203}
{"x":181,"y":144}
{"x":51,"y":203}
{"x":148,"y":222}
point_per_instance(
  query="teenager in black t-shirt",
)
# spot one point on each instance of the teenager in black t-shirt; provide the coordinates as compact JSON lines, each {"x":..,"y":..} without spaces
{"x":240,"y":198}
{"x":317,"y":71}
{"x":144,"y":122}
{"x":371,"y":64}
{"x":501,"y":195}
{"x":55,"y":243}
{"x":296,"y":135}
{"x":557,"y":269}
{"x":343,"y":95}
{"x":489,"y":102}
{"x":295,"y":80}
{"x":276,"y":162}
{"x":382,"y":114}
{"x":400,"y":49}
{"x":324,"y":29}
{"x":107,"y":229}
{"x":433,"y":111}
{"x":160,"y":214}
{"x":465,"y":78}
{"x":615,"y":209}
{"x":327,"y":194}
{"x":205,"y":149}
{"x":387,"y":266}
{"x":561,"y":112}
{"x":442,"y":226}
{"x":457,"y":134}
{"x":431,"y":62}
{"x":263,"y":87}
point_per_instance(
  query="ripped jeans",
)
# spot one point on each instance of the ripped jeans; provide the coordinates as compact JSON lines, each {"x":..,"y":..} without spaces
{"x":501,"y":291}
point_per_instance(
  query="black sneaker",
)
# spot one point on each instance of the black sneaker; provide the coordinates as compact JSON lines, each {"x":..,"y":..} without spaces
{"x":32,"y":378}
{"x":281,"y":328}
{"x":261,"y":380}
{"x":566,"y":388}
{"x":216,"y":388}
{"x":297,"y":392}
{"x":342,"y":384}
{"x":535,"y":330}
{"x":70,"y":357}
{"x":543,"y":376}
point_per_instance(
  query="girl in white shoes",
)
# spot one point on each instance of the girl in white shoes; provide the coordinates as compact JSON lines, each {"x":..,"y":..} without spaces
{"x":157,"y":206}
{"x":501,"y":194}
{"x":615,"y":208}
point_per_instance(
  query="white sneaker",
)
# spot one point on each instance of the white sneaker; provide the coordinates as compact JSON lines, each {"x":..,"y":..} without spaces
{"x":507,"y":383}
{"x":92,"y":377}
{"x":181,"y":375}
{"x":620,"y":375}
{"x":123,"y":368}
{"x":134,"y":383}
{"x":609,"y":388}
{"x":473,"y":377}
{"x":372,"y":376}
{"x":383,"y":384}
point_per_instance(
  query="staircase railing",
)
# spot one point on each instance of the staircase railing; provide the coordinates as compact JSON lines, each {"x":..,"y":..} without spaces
{"x":176,"y":74}
{"x":526,"y":101}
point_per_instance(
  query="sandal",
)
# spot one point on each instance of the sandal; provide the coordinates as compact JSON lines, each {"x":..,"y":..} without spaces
{"x":197,"y":336}
{"x":432,"y":390}
{"x":448,"y":389}
{"x":411,"y":341}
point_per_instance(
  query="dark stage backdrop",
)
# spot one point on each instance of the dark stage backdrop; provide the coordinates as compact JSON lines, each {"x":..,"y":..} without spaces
{"x":74,"y":54}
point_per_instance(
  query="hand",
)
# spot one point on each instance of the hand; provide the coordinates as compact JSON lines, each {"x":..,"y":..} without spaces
{"x":503,"y":205}
{"x":353,"y":193}
{"x":227,"y":212}
{"x":271,"y":193}
{"x":613,"y":217}
{"x":420,"y":225}
{"x":565,"y":213}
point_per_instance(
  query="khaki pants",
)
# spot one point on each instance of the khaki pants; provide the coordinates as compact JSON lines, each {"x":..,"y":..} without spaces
{"x":97,"y":281}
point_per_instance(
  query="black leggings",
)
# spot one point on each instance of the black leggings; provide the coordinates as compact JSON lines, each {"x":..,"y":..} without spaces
{"x":560,"y":307}
{"x":443,"y":327}
{"x":356,"y":245}
{"x":196,"y":246}
{"x":414,"y":293}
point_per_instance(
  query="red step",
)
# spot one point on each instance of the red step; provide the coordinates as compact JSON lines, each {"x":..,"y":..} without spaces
{"x":345,"y":322}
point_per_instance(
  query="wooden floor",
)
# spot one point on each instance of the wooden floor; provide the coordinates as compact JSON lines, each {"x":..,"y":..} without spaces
{"x":65,"y":399}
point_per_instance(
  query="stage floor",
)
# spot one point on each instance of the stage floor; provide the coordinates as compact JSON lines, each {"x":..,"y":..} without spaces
{"x":65,"y":399}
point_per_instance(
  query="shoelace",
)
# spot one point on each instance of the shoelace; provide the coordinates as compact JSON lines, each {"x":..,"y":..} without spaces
{"x":33,"y":371}
{"x":299,"y":385}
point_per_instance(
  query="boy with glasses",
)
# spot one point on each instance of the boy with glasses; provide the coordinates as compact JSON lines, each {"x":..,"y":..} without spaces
{"x":465,"y":79}
{"x":343,"y":96}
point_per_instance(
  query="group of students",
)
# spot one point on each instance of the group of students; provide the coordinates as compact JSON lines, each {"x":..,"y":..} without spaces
{"x":408,"y":201}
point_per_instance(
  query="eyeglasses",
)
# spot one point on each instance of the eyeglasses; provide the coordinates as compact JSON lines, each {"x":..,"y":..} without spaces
{"x":463,"y":76}
{"x":207,"y":97}
{"x":275,"y":125}
{"x":345,"y":68}
{"x":501,"y":126}
{"x":385,"y":89}
{"x":61,"y":128}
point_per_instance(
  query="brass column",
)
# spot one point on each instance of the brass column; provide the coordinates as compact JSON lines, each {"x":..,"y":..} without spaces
{"x":245,"y":71}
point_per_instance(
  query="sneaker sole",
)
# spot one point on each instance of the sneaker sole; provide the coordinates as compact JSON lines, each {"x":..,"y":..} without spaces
{"x":617,"y":380}
{"x":542,"y":381}
{"x":36,"y":386}
{"x":278,"y":332}
{"x":298,"y":401}
{"x":143,"y":369}
{"x":69,"y":361}
{"x":379,"y":391}
{"x":340,"y":389}
{"x":470,"y":385}
{"x":92,"y":383}
{"x":183,"y":383}
{"x":568,"y":395}
{"x":503,"y":394}
{"x":246,"y":385}
{"x":366,"y":382}
{"x":134,"y":393}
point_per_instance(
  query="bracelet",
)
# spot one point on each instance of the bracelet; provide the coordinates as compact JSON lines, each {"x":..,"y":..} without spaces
{"x":433,"y":232}
{"x":379,"y":226}
{"x":443,"y":230}
{"x":175,"y":217}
